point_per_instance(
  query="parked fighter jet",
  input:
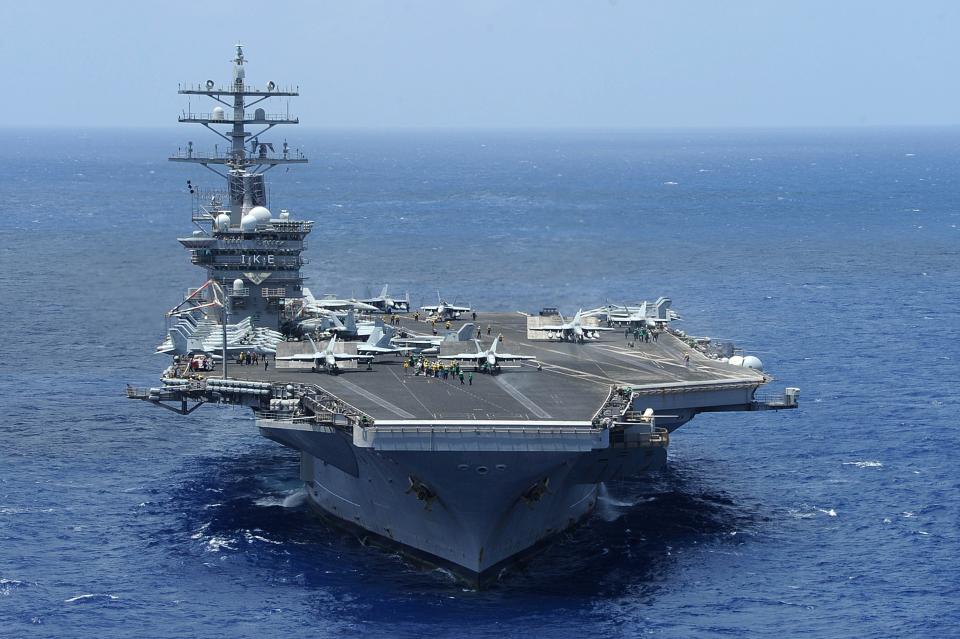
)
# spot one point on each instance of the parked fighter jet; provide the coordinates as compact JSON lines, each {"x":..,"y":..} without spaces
{"x":574,"y":330}
{"x":326,"y":358}
{"x":379,"y":343}
{"x":643,"y":312}
{"x":616,"y":314}
{"x":330,"y":303}
{"x":445,"y":310}
{"x":388,"y":304}
{"x":489,"y":356}
{"x":430,"y":344}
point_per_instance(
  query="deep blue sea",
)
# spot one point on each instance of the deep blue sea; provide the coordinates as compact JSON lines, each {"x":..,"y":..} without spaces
{"x":834,"y":255}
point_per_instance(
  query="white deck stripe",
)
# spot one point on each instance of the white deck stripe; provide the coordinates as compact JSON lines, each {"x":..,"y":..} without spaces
{"x":379,"y":401}
{"x":520,"y":397}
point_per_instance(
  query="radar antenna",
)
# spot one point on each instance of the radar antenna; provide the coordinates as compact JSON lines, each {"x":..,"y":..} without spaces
{"x":243,"y":169}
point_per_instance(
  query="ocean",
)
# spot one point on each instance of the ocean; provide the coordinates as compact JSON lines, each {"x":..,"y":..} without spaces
{"x":833,"y":255}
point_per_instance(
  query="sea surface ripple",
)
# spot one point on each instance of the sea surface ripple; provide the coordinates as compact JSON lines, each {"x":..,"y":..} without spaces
{"x":831,"y":254}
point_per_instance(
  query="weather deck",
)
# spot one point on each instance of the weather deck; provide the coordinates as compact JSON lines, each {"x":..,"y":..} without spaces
{"x":572,"y":385}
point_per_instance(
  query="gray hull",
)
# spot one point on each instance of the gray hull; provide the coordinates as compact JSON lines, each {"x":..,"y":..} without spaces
{"x":473,"y":512}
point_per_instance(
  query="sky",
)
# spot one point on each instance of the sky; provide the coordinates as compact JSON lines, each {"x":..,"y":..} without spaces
{"x":378,"y":64}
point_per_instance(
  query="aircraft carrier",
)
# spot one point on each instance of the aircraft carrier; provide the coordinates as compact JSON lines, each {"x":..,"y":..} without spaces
{"x":466,"y":439}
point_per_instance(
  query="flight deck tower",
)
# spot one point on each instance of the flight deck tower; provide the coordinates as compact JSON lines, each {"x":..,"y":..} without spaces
{"x":252,"y":254}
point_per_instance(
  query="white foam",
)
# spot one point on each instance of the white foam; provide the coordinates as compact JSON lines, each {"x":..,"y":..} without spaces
{"x":295,"y":499}
{"x":830,"y":512}
{"x":89,"y":596}
{"x":251,"y":537}
{"x":864,"y":464}
{"x":214,"y":544}
{"x":269,"y":501}
{"x":200,"y":532}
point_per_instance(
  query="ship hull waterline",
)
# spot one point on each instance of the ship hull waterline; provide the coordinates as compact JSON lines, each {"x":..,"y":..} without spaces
{"x":472,"y":513}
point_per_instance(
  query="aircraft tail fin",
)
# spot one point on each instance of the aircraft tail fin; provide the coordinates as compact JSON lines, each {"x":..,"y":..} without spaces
{"x":179,"y":339}
{"x":375,"y":336}
{"x":466,"y":332}
{"x":386,"y":334}
{"x":383,"y":293}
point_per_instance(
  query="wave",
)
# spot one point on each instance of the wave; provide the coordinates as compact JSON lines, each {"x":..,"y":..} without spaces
{"x":864,"y":464}
{"x":91,"y":597}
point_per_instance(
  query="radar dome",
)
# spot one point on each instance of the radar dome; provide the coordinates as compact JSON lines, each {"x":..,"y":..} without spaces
{"x":284,"y":214}
{"x":736,"y":360}
{"x":238,"y":284}
{"x":217,"y":113}
{"x":261,"y":213}
{"x":752,"y":362}
{"x":248,"y":222}
{"x":223,"y":222}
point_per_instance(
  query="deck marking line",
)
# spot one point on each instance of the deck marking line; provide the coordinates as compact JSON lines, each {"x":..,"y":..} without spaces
{"x":520,"y":397}
{"x":379,"y":401}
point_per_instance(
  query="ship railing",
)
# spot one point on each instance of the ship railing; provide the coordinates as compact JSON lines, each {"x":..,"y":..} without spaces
{"x":242,"y":88}
{"x":785,"y":399}
{"x":603,"y":411}
{"x":287,"y":417}
{"x":188,"y":116}
{"x":472,"y":430}
{"x":293,"y":155}
{"x":292,"y":225}
{"x":329,"y":407}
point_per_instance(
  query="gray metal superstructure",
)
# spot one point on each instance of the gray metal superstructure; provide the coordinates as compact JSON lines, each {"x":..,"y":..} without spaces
{"x":464,"y":460}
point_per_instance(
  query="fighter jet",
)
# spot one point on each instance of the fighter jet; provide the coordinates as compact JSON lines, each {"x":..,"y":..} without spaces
{"x":326,"y":358}
{"x":445,"y":310}
{"x":574,"y":330}
{"x":379,"y":343}
{"x":388,"y":304}
{"x":489,"y":356}
{"x":331,"y":303}
{"x":430,"y":344}
{"x":616,"y":314}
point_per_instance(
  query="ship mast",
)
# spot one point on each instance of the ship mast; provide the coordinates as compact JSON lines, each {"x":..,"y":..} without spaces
{"x":244,"y":169}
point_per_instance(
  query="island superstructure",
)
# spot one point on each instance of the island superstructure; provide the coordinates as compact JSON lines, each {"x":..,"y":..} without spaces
{"x":464,"y":438}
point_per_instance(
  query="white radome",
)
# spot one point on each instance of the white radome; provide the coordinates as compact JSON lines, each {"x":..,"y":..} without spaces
{"x":217,"y":113}
{"x":753,"y":362}
{"x":736,"y":360}
{"x":223,"y":222}
{"x":238,"y":284}
{"x":248,"y":222}
{"x":262,"y":214}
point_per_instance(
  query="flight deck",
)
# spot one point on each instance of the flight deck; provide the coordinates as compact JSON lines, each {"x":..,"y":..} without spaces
{"x":568,"y":381}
